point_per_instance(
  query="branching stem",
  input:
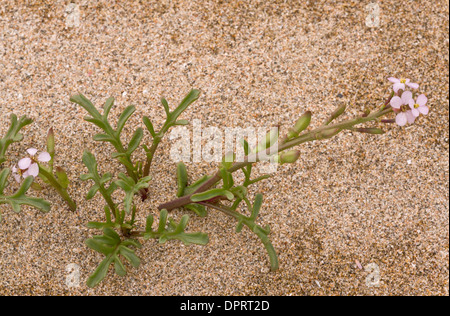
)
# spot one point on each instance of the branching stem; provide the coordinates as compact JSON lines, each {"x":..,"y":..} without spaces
{"x":324,"y":131}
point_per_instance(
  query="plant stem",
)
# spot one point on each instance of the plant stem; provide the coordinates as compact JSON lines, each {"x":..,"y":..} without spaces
{"x":324,"y":131}
{"x":151,"y":153}
{"x":61,"y":190}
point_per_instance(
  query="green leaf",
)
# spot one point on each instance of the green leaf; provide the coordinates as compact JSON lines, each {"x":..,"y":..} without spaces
{"x":208,"y":195}
{"x":131,"y":188}
{"x":100,"y":273}
{"x":162,"y":221}
{"x":193,"y":187}
{"x":124,"y":118}
{"x":149,"y":125}
{"x":227,"y":160}
{"x":91,"y":163}
{"x":98,"y":225}
{"x":62,"y":177}
{"x":109,"y":134}
{"x":12,"y":135}
{"x":98,"y":122}
{"x":172,"y":231}
{"x":4,"y":179}
{"x":166,"y":106}
{"x":112,"y":234}
{"x":191,"y":97}
{"x":182,"y":178}
{"x":119,"y":267}
{"x":86,"y":104}
{"x":149,"y":223}
{"x":198,"y":209}
{"x":19,"y":198}
{"x":103,"y":138}
{"x":182,"y":122}
{"x":227,"y":178}
{"x":135,"y":140}
{"x":111,"y":246}
{"x":129,"y":254}
{"x":98,"y":246}
{"x":192,"y":238}
{"x":244,"y":144}
{"x":257,"y":205}
{"x":107,"y":107}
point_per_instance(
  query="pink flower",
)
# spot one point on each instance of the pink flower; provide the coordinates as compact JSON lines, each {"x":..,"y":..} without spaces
{"x":400,"y":84}
{"x":397,"y":102}
{"x":419,"y":106}
{"x":401,"y":107}
{"x":29,"y":166}
{"x":403,"y":117}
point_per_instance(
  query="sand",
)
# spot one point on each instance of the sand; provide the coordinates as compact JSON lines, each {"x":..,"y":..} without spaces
{"x":356,"y":215}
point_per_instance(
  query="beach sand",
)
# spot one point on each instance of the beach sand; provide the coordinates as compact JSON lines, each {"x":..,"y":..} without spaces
{"x":357,"y":214}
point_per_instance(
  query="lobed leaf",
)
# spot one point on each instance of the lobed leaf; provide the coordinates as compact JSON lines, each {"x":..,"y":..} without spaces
{"x":172,"y":230}
{"x":110,"y":245}
{"x":13,"y":135}
{"x":19,"y":198}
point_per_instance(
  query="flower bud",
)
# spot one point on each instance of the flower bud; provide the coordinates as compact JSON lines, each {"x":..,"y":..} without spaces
{"x":372,"y":130}
{"x":302,"y":124}
{"x":288,"y":157}
{"x":328,"y":133}
{"x":338,"y":112}
{"x":51,"y":142}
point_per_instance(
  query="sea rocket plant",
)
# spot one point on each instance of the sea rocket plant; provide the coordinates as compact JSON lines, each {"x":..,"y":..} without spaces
{"x":216,"y":192}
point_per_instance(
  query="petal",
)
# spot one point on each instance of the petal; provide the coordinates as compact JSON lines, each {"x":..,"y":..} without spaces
{"x":32,"y":151}
{"x":412,"y":85}
{"x":17,"y":177}
{"x":400,"y":119}
{"x":423,"y":109}
{"x":393,"y":80}
{"x":44,"y":157}
{"x":410,"y":117}
{"x":33,"y":170}
{"x":407,"y":80}
{"x":396,"y":102}
{"x":14,"y":169}
{"x":406,"y":96}
{"x":24,"y":163}
{"x":422,"y":100}
{"x":415,"y":112}
{"x":398,"y":86}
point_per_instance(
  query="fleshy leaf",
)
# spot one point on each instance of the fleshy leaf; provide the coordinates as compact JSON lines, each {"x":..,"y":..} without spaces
{"x":213,"y":193}
{"x":131,"y":188}
{"x":19,"y":198}
{"x":110,"y":245}
{"x":172,"y":230}
{"x":13,"y":135}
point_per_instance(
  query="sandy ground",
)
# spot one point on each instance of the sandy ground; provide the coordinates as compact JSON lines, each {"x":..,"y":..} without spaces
{"x":381,"y":201}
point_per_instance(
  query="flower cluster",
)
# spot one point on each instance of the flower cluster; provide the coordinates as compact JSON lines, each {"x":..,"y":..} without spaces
{"x":28,"y":166}
{"x":404,"y":104}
